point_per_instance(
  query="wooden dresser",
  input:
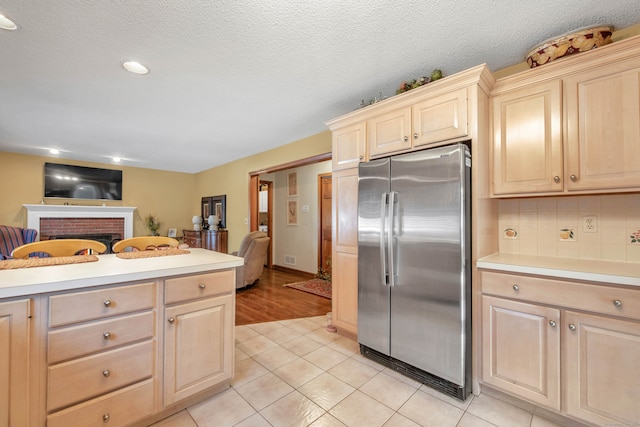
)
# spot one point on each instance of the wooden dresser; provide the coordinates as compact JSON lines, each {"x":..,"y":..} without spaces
{"x":215,"y":240}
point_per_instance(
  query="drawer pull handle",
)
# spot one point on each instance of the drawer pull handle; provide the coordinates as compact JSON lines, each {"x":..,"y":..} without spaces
{"x":171,"y":320}
{"x":106,"y":418}
{"x":516,"y":288}
{"x":107,"y":303}
{"x":106,"y":373}
{"x":572,"y":326}
{"x":552,"y":323}
{"x":106,"y":335}
{"x":556,"y":179}
{"x":617,"y":303}
{"x":202,"y":286}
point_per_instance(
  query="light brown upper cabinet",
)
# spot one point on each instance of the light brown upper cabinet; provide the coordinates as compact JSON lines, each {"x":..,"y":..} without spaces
{"x":433,"y":120}
{"x":572,"y":126}
{"x":348,"y":146}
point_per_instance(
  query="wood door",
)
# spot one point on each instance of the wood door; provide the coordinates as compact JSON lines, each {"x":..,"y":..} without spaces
{"x":197,"y":354}
{"x":14,"y":363}
{"x":521,"y":349}
{"x":440,"y":119}
{"x":324,"y":195}
{"x":389,"y":133}
{"x":527,"y":140}
{"x":603,"y":128}
{"x":601,"y":365}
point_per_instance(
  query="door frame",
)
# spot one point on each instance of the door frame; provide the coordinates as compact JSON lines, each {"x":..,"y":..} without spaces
{"x":269,"y":185}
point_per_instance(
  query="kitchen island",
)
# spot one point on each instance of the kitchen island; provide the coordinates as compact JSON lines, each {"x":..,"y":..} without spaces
{"x":117,"y":341}
{"x":564,"y":334}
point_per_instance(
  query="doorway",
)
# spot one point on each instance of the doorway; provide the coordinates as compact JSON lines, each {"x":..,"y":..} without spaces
{"x":254,"y":200}
{"x":265,"y":215}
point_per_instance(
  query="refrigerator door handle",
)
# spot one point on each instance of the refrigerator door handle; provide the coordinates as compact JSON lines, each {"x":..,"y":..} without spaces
{"x":383,"y":255}
{"x":392,"y":270}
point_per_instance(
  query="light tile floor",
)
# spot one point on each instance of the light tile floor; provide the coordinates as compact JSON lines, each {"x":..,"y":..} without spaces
{"x":295,"y":373}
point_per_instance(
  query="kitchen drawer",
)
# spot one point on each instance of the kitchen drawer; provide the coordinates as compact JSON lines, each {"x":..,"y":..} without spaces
{"x":81,"y":306}
{"x":602,"y":299}
{"x":120,"y":408}
{"x":88,"y":377}
{"x":76,"y":341}
{"x":199,"y":286}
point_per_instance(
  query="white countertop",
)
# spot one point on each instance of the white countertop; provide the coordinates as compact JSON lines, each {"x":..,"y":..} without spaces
{"x":611,"y":272}
{"x":110,"y":269}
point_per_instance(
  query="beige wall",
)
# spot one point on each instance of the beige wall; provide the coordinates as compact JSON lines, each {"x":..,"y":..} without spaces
{"x":172,"y":197}
{"x":167,"y":195}
{"x":232,"y":179}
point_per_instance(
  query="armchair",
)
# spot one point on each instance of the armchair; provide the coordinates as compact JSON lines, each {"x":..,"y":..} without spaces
{"x":12,"y":237}
{"x":253,"y":249}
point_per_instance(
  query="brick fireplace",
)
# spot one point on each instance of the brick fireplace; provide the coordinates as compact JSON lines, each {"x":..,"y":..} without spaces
{"x":56,"y":221}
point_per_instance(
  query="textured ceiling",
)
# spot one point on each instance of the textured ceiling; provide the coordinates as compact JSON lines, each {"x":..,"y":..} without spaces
{"x":233,"y":78}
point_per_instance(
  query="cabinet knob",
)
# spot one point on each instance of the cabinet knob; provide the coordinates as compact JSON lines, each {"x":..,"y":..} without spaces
{"x":106,"y":335}
{"x":572,"y":326}
{"x":202,"y":286}
{"x":171,"y":320}
{"x":617,"y":303}
{"x":552,"y":323}
{"x":106,"y":418}
{"x":556,"y":179}
{"x":573,"y":178}
{"x":516,"y":288}
{"x":360,"y":157}
{"x":106,"y":373}
{"x":415,"y":135}
{"x":107,"y":303}
{"x":406,"y":138}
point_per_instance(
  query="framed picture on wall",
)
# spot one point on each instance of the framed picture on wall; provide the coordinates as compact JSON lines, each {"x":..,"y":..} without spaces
{"x":173,"y":232}
{"x":292,"y":184}
{"x":292,"y":212}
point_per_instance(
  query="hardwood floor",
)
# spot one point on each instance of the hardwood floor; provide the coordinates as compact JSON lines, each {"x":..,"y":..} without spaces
{"x":268,"y":300}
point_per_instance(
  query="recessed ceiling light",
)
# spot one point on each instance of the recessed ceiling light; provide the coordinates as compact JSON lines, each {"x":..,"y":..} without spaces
{"x":116,"y":159}
{"x":135,"y":67}
{"x":54,"y":151}
{"x":7,"y":23}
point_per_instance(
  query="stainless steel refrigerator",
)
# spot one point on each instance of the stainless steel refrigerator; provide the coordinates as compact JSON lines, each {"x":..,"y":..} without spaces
{"x":414,"y":265}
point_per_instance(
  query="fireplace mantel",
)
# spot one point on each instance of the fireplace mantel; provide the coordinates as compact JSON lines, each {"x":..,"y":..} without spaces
{"x":35,"y":212}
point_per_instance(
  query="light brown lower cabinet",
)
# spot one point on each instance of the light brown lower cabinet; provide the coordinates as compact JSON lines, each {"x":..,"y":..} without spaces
{"x":14,"y":364}
{"x":118,"y":355}
{"x":568,"y":346}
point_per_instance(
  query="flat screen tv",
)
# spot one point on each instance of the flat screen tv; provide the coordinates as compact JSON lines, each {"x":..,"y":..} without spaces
{"x":80,"y":182}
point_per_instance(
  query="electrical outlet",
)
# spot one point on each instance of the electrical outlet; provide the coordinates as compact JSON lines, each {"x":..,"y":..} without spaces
{"x":590,"y":224}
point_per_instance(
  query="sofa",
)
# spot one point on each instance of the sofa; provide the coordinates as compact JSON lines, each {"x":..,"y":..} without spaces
{"x":12,"y":237}
{"x":253,"y":249}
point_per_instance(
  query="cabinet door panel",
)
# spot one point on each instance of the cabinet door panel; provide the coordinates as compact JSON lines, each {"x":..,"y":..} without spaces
{"x":521,"y":349}
{"x":345,"y":210}
{"x":441,"y":118}
{"x":197,"y":354}
{"x":345,"y":292}
{"x":14,"y":366}
{"x":603,"y":129}
{"x":389,"y":133}
{"x":348,"y":146}
{"x":527,"y":140}
{"x":601,"y":364}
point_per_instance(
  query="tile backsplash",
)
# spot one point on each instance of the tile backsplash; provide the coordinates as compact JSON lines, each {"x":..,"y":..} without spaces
{"x":603,"y":227}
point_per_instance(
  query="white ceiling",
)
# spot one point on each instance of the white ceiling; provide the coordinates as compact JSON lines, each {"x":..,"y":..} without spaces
{"x":231,"y":78}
